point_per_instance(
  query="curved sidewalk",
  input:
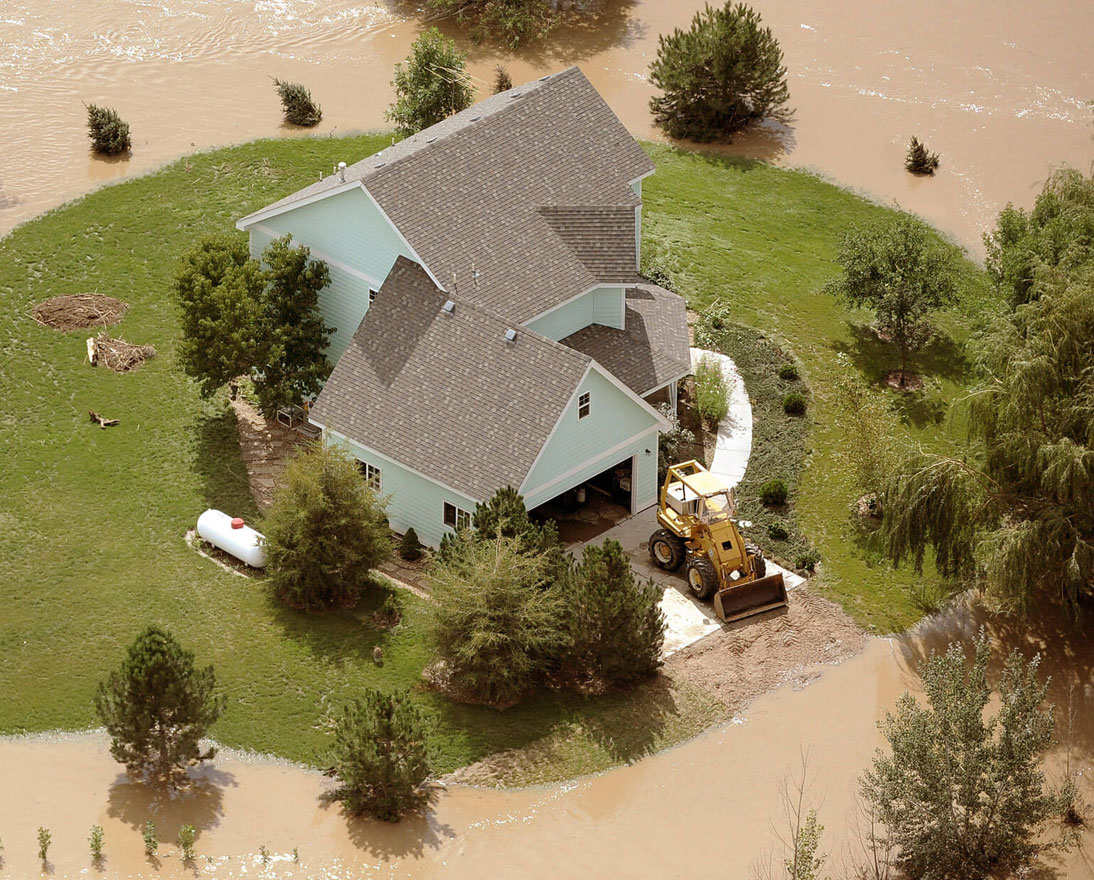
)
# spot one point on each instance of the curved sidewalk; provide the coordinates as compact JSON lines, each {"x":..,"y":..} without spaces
{"x":734,"y":441}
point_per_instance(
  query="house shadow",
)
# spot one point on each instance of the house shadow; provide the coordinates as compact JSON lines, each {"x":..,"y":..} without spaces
{"x":218,"y":463}
{"x":199,"y":801}
{"x":410,"y":837}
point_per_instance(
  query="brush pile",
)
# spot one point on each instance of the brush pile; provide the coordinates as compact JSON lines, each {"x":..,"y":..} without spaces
{"x":117,"y":354}
{"x":79,"y":311}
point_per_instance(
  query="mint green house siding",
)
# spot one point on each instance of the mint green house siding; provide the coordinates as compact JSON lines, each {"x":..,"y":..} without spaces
{"x":359,"y":245}
{"x":412,"y":499}
{"x":601,"y":305}
{"x":617,"y":429}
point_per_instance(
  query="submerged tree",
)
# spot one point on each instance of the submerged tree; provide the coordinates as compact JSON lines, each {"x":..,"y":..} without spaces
{"x":1058,"y":234}
{"x":899,"y":270}
{"x":918,"y":160}
{"x":432,"y":85}
{"x":962,"y":795}
{"x":109,"y":133}
{"x":325,"y":531}
{"x":297,"y":104}
{"x":510,"y":22}
{"x":720,"y":76}
{"x":158,"y":706}
{"x":502,"y":81}
{"x":380,"y":756}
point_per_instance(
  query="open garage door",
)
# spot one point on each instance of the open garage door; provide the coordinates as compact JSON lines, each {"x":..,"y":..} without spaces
{"x":593,"y":506}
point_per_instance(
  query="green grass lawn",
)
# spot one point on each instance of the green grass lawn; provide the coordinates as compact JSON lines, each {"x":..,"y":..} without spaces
{"x":764,"y":240}
{"x":91,"y":532}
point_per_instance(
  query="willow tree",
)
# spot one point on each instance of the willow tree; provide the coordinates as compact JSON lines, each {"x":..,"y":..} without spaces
{"x":1057,"y":234}
{"x":1016,"y":510}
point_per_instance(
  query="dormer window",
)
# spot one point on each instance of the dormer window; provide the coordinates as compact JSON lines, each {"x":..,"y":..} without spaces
{"x":583,"y":405}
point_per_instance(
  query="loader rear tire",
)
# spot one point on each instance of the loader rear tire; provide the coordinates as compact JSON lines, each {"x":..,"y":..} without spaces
{"x":666,"y":550}
{"x":702,"y":578}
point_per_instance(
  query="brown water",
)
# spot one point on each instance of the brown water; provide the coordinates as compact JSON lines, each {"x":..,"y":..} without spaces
{"x":705,"y":809}
{"x":1000,"y":89}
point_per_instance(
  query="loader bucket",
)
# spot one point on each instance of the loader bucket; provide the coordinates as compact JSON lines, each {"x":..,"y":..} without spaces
{"x":751,"y":597}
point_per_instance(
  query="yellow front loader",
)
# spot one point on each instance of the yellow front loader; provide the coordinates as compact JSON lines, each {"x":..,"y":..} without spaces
{"x":698,"y":530}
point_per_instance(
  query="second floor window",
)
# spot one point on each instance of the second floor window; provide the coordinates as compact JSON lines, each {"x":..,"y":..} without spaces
{"x":583,"y":405}
{"x":371,"y":474}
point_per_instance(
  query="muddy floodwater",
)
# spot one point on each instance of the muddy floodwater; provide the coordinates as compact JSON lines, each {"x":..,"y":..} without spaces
{"x":1001,"y":90}
{"x":705,"y":809}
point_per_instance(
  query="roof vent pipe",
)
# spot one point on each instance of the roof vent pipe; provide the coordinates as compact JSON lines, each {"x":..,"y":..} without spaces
{"x":342,"y":171}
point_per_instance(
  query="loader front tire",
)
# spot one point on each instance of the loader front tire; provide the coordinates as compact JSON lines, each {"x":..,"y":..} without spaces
{"x":702,"y":578}
{"x":666,"y":550}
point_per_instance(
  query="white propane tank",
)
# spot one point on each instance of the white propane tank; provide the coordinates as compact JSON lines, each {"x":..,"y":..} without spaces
{"x":233,"y":535}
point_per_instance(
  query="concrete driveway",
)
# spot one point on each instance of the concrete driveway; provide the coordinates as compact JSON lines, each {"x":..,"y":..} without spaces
{"x":687,"y":620}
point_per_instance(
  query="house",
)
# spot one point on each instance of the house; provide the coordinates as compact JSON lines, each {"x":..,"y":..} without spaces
{"x":491,"y":327}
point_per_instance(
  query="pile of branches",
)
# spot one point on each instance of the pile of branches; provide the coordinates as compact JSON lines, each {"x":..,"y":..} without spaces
{"x":117,"y":354}
{"x":79,"y":311}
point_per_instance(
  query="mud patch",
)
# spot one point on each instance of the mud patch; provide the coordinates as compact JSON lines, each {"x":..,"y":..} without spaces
{"x":757,"y":655}
{"x":912,"y":382}
{"x":79,"y":311}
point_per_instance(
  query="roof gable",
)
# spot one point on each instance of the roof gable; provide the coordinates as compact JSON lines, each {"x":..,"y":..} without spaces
{"x":445,"y":393}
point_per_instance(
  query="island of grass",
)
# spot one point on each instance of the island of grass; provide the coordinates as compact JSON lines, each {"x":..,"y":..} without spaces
{"x":94,"y":548}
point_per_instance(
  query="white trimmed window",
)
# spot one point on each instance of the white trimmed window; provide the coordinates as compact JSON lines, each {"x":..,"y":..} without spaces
{"x":456,"y":517}
{"x":371,"y":474}
{"x":584,"y":405}
{"x":371,"y":296}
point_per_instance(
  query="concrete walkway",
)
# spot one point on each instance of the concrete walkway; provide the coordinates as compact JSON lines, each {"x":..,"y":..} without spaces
{"x":734,"y":441}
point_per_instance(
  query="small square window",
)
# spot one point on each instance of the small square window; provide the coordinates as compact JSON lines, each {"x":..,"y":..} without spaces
{"x":371,"y":296}
{"x":583,"y":405}
{"x":456,"y":518}
{"x":371,"y":474}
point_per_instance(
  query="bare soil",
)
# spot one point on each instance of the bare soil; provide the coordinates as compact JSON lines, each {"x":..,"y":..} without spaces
{"x":756,"y":655}
{"x":79,"y":311}
{"x":912,"y":381}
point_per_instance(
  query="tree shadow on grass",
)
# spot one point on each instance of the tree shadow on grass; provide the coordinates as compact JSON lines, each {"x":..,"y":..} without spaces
{"x":632,"y":728}
{"x":198,"y":802}
{"x":217,"y":461}
{"x":348,"y":635}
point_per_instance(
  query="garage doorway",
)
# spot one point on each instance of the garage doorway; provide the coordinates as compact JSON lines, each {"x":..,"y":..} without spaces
{"x":590,"y":508}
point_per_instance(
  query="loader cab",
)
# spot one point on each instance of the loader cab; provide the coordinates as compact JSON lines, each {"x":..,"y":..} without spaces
{"x":696,"y":494}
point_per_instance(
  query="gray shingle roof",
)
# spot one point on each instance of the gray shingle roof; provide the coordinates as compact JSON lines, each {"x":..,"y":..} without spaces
{"x":445,"y":393}
{"x":603,"y":239}
{"x":469,"y":192}
{"x":653,"y":349}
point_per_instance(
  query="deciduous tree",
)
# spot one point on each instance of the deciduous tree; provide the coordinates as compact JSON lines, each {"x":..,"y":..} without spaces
{"x":510,"y":22}
{"x":158,"y":706}
{"x":899,"y":270}
{"x":720,"y":76}
{"x":432,"y":85}
{"x":962,"y":794}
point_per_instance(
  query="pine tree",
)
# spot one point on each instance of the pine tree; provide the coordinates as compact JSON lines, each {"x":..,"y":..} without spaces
{"x":294,"y":365}
{"x":616,"y":623}
{"x":897,"y":268}
{"x":918,"y":160}
{"x":719,"y":77}
{"x":109,"y":133}
{"x":158,"y":706}
{"x":963,"y":796}
{"x":498,"y":621}
{"x":325,"y":531}
{"x":431,"y":86}
{"x":380,"y":756}
{"x":297,"y":104}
